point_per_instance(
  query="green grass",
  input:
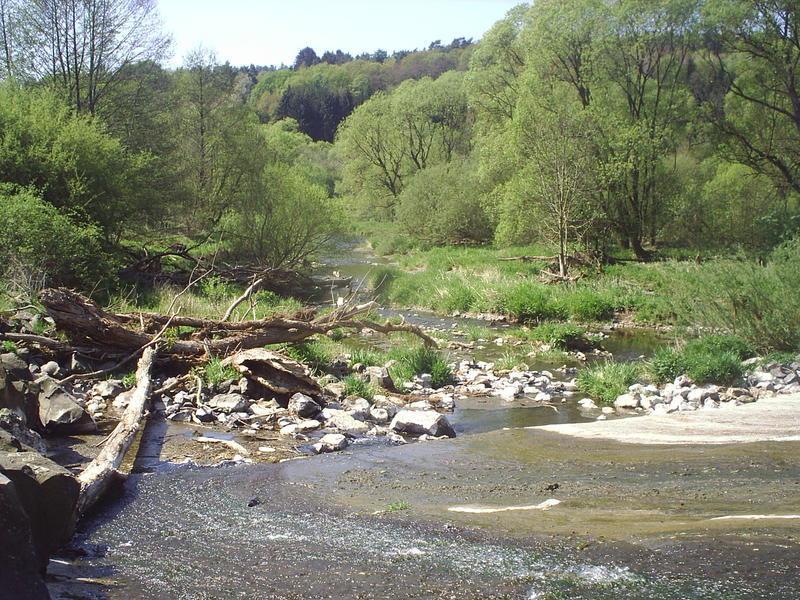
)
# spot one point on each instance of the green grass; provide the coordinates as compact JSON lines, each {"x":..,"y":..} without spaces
{"x":511,"y":360}
{"x":416,"y":361}
{"x":608,"y":380}
{"x":475,"y":333}
{"x":10,"y":346}
{"x":355,"y":386}
{"x":707,"y":359}
{"x":564,"y":336}
{"x":368,"y":358}
{"x":129,"y":379}
{"x":214,"y":372}
{"x":396,"y":506}
{"x":317,"y":353}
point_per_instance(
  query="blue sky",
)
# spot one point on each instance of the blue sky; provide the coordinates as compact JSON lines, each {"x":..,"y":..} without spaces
{"x":273,"y":31}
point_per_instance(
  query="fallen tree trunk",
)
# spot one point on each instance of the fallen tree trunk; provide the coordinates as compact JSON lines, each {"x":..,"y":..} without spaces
{"x":103,"y":470}
{"x":86,"y":322}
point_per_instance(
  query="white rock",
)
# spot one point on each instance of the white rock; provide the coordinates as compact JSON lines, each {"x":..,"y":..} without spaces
{"x":627,"y":401}
{"x":607,"y":410}
{"x":587,"y":403}
{"x":416,"y":422}
{"x":331,"y":442}
{"x":339,"y":419}
{"x":543,"y":397}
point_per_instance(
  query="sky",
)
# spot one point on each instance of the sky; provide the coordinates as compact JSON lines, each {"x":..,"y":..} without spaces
{"x":271,"y":32}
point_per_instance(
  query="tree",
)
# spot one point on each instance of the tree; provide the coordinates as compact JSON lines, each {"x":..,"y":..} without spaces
{"x":754,"y":47}
{"x":305,"y":58}
{"x":83,"y":47}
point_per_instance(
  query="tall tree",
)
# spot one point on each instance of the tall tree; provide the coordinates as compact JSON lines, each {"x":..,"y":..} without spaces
{"x":83,"y":47}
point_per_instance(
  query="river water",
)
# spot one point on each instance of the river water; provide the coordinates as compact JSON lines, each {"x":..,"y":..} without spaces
{"x":378,"y":522}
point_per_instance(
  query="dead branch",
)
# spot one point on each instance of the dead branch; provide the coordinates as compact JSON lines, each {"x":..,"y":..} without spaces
{"x":101,"y":472}
{"x":247,"y":293}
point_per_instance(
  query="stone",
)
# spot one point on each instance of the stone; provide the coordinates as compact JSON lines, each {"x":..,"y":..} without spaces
{"x":339,"y":419}
{"x":50,"y":368}
{"x":48,"y":493}
{"x":331,"y":442}
{"x":108,"y":388}
{"x":122,"y":400}
{"x":15,"y":426}
{"x":303,"y":406}
{"x":379,"y":415}
{"x":230,"y":403}
{"x":379,"y":376}
{"x":307,"y":425}
{"x":419,"y":405}
{"x":59,"y":411}
{"x":358,"y":408}
{"x":418,"y":422}
{"x":204,"y":415}
{"x":543,"y":397}
{"x":627,"y":401}
{"x":587,"y":403}
{"x":21,"y":577}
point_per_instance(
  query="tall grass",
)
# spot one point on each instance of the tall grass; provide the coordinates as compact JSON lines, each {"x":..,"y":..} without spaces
{"x":708,"y":359}
{"x":608,"y":380}
{"x":416,"y":361}
{"x":760,"y":303}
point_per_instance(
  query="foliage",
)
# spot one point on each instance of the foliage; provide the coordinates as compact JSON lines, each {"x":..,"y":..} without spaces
{"x":757,"y":303}
{"x":10,"y":346}
{"x":528,"y":302}
{"x":356,"y":386}
{"x":565,"y":336}
{"x":315,"y":353}
{"x":708,"y":359}
{"x":40,"y":246}
{"x":609,"y":380}
{"x":368,"y":358}
{"x":416,"y":361}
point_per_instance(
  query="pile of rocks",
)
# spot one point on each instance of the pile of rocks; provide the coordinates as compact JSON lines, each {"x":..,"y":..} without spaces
{"x":684,"y":395}
{"x":330,"y":421}
{"x":481,"y":378}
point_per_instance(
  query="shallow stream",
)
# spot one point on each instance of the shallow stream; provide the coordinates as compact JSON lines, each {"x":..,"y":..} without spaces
{"x":377,"y":522}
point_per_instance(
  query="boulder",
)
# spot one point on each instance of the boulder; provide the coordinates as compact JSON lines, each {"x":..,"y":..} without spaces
{"x":21,"y":577}
{"x":357,"y":407}
{"x":14,"y":377}
{"x":230,"y":403}
{"x":339,"y":419}
{"x":419,"y":422}
{"x":331,"y":442}
{"x":48,"y":493}
{"x":379,"y":376}
{"x":14,"y":425}
{"x":303,"y":406}
{"x":59,"y":410}
{"x":108,"y":388}
{"x":627,"y":401}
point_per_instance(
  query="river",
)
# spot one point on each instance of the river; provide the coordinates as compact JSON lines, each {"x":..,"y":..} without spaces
{"x":502,"y":511}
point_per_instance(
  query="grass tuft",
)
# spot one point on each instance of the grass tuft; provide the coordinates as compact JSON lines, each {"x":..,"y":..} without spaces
{"x":608,"y":380}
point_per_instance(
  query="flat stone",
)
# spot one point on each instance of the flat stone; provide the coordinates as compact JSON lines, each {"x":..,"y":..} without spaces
{"x":230,"y":403}
{"x":339,"y":419}
{"x":331,"y":442}
{"x":59,"y":411}
{"x":627,"y":401}
{"x":417,"y":422}
{"x":108,"y":388}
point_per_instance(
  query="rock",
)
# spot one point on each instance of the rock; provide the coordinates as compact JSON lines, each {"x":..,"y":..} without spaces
{"x":204,"y":415}
{"x":379,"y":415}
{"x":379,"y":376}
{"x":419,"y":405}
{"x":607,"y":410}
{"x":543,"y":397}
{"x":331,"y":442}
{"x":50,"y":368}
{"x":303,"y":406}
{"x":307,"y":425}
{"x":587,"y":403}
{"x":682,"y":381}
{"x":59,"y":411}
{"x":339,"y":419}
{"x":627,"y":401}
{"x":230,"y":403}
{"x":48,"y":493}
{"x":14,"y":379}
{"x":418,"y":422}
{"x":508,"y":393}
{"x":21,"y":577}
{"x":108,"y":388}
{"x":15,"y":426}
{"x":261,"y":410}
{"x":334,"y":390}
{"x":358,"y":408}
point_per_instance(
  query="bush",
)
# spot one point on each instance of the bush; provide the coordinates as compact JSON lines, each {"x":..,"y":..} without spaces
{"x":609,"y":380}
{"x":757,"y":303}
{"x":587,"y":305}
{"x":417,"y":361}
{"x":565,"y":336}
{"x":40,"y":246}
{"x":368,"y":358}
{"x":530,"y":303}
{"x":708,"y":359}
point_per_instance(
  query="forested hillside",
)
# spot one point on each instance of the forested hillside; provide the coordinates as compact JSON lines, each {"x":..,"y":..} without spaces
{"x":586,"y":124}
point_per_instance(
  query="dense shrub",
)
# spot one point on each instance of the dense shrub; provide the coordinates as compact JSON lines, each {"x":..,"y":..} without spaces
{"x":708,"y":359}
{"x":587,"y":305}
{"x":528,"y":302}
{"x":41,"y":246}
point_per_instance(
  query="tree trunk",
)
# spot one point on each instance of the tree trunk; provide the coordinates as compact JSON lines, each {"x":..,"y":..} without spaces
{"x":102,"y":471}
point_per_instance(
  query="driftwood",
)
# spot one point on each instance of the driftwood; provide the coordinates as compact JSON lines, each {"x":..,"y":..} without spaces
{"x":103,"y":470}
{"x":550,"y":277}
{"x":90,"y":325}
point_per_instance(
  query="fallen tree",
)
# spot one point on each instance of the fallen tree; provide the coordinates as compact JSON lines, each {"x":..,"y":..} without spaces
{"x":89,"y":325}
{"x":101,"y":473}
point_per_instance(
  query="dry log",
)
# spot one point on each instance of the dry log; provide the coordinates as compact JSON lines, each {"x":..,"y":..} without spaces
{"x":528,"y":258}
{"x":233,"y":445}
{"x":103,"y":470}
{"x":89,"y":324}
{"x":550,"y":277}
